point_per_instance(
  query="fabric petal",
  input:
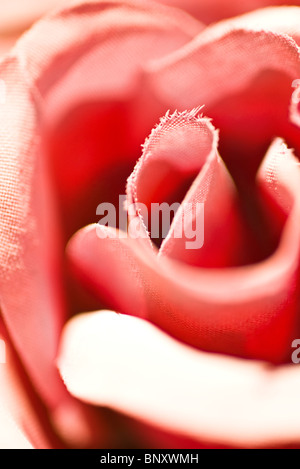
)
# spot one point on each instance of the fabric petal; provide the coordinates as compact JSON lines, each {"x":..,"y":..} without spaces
{"x":265,"y":34}
{"x":25,"y":259}
{"x":183,"y":148}
{"x":242,"y":70}
{"x":210,"y":11}
{"x":31,"y":239}
{"x":89,"y":77}
{"x":88,"y":35}
{"x":129,"y":365}
{"x":18,"y":410}
{"x":10,"y":436}
{"x":30,"y":248}
{"x":16,"y":17}
{"x":248,"y":311}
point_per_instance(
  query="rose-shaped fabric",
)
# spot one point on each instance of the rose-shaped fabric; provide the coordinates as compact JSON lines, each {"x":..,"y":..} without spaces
{"x":198,"y":351}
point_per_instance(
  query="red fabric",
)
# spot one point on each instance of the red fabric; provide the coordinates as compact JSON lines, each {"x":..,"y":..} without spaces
{"x":83,"y":89}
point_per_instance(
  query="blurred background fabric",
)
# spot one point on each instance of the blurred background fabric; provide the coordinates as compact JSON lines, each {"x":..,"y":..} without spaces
{"x":16,"y":16}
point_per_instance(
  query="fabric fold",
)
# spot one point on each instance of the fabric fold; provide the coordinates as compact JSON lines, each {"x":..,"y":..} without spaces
{"x":130,"y":365}
{"x":271,"y":51}
{"x":246,"y":67}
{"x":246,"y":311}
{"x":93,"y":101}
{"x":31,"y":251}
{"x":210,"y":11}
{"x":183,"y":148}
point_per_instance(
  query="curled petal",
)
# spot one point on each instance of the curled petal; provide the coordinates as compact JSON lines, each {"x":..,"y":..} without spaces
{"x":184,"y":147}
{"x":247,"y":311}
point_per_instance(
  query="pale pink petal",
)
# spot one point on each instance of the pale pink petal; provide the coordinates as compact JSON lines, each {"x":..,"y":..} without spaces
{"x":216,"y":10}
{"x":6,"y":43}
{"x":10,"y":435}
{"x":129,"y":365}
{"x":17,"y":15}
